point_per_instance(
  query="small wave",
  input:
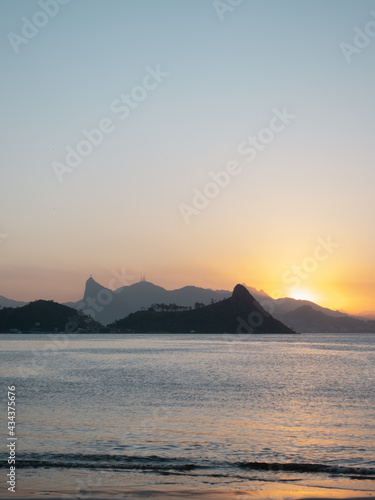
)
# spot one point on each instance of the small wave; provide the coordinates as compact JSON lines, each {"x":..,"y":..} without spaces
{"x":157,"y":464}
{"x":310,"y":468}
{"x":119,"y":462}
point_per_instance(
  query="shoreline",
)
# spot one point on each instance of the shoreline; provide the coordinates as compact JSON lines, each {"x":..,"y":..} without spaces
{"x":112,"y":485}
{"x":260,"y":491}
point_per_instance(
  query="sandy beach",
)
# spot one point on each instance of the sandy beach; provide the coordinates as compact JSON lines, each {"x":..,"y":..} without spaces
{"x":170,"y":489}
{"x":281,"y":492}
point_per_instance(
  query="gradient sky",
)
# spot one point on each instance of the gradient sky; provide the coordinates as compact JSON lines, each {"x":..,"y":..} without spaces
{"x":120,"y":207}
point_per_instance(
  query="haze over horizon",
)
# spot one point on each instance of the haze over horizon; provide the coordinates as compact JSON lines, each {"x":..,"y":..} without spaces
{"x":243,"y":154}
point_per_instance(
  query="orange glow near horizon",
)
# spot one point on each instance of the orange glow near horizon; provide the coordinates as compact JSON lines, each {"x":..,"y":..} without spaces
{"x":303,"y":294}
{"x":63,"y":287}
{"x":341,"y":281}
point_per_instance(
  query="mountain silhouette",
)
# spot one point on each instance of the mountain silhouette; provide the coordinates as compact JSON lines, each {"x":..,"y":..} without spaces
{"x":46,"y":316}
{"x":308,"y":320}
{"x":4,"y":302}
{"x":92,"y":288}
{"x":106,"y":305}
{"x":240,"y":313}
{"x":131,"y":298}
{"x":287,"y":304}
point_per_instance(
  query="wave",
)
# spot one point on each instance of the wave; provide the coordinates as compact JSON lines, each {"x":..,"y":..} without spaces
{"x":87,"y":461}
{"x":309,"y":468}
{"x":157,"y":464}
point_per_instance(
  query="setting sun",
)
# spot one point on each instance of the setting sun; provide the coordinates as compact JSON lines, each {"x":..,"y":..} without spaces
{"x":302,"y":294}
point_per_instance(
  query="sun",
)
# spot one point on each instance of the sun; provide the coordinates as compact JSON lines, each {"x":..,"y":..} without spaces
{"x":302,"y":294}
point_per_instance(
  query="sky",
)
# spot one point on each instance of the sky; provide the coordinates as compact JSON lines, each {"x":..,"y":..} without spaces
{"x":198,"y":142}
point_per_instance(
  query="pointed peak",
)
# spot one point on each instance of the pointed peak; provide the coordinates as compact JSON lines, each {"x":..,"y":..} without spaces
{"x":242,"y":298}
{"x":90,"y":282}
{"x":92,"y":287}
{"x":241,"y":291}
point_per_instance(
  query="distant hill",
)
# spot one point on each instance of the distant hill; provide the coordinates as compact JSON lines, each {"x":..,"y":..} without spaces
{"x":106,"y":306}
{"x":366,"y":315}
{"x":240,"y":313}
{"x":4,"y":302}
{"x":46,"y":316}
{"x":287,"y":304}
{"x":131,"y":298}
{"x":306,"y":319}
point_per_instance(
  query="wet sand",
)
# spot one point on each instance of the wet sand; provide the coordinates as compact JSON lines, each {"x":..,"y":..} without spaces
{"x":261,"y":491}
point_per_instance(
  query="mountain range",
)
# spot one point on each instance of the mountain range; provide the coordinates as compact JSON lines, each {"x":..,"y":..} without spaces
{"x":240,"y":313}
{"x":107,"y":306}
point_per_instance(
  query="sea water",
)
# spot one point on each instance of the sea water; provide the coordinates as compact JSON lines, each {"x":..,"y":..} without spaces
{"x":136,"y":410}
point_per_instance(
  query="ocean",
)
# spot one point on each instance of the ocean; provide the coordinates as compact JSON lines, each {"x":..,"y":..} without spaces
{"x":100,"y":414}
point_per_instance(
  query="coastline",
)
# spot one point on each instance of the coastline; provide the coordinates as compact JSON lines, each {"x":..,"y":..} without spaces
{"x":101,"y":484}
{"x":261,"y":491}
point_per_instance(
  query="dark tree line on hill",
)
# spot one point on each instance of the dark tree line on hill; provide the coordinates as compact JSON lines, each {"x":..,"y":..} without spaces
{"x":173,"y":307}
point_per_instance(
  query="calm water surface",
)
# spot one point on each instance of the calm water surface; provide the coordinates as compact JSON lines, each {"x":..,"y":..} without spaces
{"x":223,"y":406}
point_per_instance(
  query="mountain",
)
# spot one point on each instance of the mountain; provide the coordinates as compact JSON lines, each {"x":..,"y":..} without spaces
{"x":240,"y":313}
{"x":92,"y":288}
{"x":287,"y":304}
{"x":366,"y":315}
{"x":106,"y":305}
{"x":46,"y":316}
{"x":307,"y":319}
{"x":4,"y":302}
